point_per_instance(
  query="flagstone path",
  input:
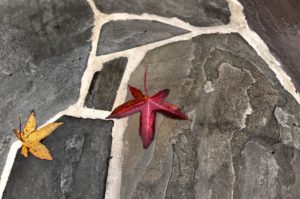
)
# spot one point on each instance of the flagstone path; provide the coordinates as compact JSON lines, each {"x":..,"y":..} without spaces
{"x":71,"y":61}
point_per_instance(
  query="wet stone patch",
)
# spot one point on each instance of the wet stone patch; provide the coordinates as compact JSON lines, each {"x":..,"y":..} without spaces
{"x":121,"y":35}
{"x":81,"y":153}
{"x":105,"y":83}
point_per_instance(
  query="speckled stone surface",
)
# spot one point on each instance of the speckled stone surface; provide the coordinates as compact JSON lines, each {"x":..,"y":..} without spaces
{"x":105,"y":84}
{"x":43,"y":54}
{"x":195,"y":12}
{"x":121,"y":35}
{"x":277,"y":22}
{"x":242,"y":140}
{"x":81,"y":153}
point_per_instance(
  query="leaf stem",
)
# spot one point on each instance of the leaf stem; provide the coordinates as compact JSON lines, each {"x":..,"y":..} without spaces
{"x":145,"y":81}
{"x":20,"y":123}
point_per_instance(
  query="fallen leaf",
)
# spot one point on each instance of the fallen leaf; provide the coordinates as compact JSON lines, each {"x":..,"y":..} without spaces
{"x":31,"y":137}
{"x":148,"y":106}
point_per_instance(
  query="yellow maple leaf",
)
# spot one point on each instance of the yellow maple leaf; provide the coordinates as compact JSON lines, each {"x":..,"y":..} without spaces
{"x":31,"y":137}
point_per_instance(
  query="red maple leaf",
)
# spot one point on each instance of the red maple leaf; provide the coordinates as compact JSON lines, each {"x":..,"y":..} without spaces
{"x":148,"y":106}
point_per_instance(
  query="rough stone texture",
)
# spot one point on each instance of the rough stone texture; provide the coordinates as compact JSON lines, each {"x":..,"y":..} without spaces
{"x":261,"y":170}
{"x":195,"y":12}
{"x":277,"y":22}
{"x":44,"y":51}
{"x":105,"y":84}
{"x":121,"y":35}
{"x":81,"y":152}
{"x":290,"y":133}
{"x":242,"y":141}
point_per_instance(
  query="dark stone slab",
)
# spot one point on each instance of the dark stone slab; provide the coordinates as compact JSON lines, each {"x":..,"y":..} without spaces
{"x":105,"y":84}
{"x":195,"y":12}
{"x":43,"y":54}
{"x":81,"y":152}
{"x":243,"y":138}
{"x":121,"y":35}
{"x":277,"y":22}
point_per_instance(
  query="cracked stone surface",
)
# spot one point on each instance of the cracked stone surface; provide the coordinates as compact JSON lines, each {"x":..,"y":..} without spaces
{"x":121,"y":35}
{"x":103,"y":89}
{"x":81,"y":152}
{"x":43,"y":54}
{"x":195,"y":12}
{"x":243,"y":137}
{"x":277,"y":22}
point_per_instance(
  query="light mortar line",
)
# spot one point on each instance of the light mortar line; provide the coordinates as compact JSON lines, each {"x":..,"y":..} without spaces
{"x":79,"y":112}
{"x":8,"y":165}
{"x":92,"y":65}
{"x":237,"y":18}
{"x":114,"y":177}
{"x":145,"y":16}
{"x":88,"y":113}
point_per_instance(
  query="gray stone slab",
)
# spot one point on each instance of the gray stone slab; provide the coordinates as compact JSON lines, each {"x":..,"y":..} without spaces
{"x":43,"y":54}
{"x":242,"y":139}
{"x":121,"y":35}
{"x":105,"y":84}
{"x":195,"y":12}
{"x":81,"y":153}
